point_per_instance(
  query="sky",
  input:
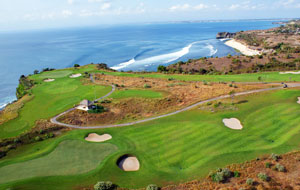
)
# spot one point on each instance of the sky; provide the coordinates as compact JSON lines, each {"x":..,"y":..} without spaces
{"x":41,"y":14}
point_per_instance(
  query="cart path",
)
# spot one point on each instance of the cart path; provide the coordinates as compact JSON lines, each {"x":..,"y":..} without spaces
{"x":54,"y":119}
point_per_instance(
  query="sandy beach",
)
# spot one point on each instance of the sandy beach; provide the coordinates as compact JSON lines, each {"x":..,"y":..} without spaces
{"x":241,"y":47}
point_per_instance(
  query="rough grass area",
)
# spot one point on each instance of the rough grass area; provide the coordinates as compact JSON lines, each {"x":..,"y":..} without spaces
{"x":51,"y":99}
{"x":185,"y":146}
{"x":70,"y":157}
{"x":136,"y":93}
{"x":12,"y":110}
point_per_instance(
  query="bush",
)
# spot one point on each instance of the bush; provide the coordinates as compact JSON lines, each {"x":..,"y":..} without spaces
{"x":97,"y":109}
{"x":236,"y":174}
{"x":275,"y":157}
{"x":249,"y":181}
{"x":152,"y":187}
{"x":280,"y":168}
{"x":76,"y":65}
{"x":37,"y":138}
{"x":268,"y":165}
{"x":221,"y":175}
{"x":103,"y":185}
{"x":218,"y":177}
{"x":263,"y":176}
{"x":147,"y":86}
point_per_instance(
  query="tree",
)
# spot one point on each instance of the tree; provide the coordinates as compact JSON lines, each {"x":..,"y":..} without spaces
{"x":36,"y":72}
{"x":76,"y":65}
{"x":161,"y":68}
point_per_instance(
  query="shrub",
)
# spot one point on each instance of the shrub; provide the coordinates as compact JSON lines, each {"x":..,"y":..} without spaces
{"x":76,"y":65}
{"x":275,"y":157}
{"x":230,"y":85}
{"x":280,"y":168}
{"x":37,"y":138}
{"x":152,"y":187}
{"x":268,"y":165}
{"x":221,"y":175}
{"x":103,"y":185}
{"x":97,"y":109}
{"x":218,"y":177}
{"x":236,"y":174}
{"x":204,"y":82}
{"x":249,"y":181}
{"x":263,"y":176}
{"x":147,"y":86}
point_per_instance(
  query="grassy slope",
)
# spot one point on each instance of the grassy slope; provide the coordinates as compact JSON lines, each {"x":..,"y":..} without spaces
{"x":136,"y":93}
{"x":51,"y":99}
{"x":253,"y":77}
{"x":69,"y":157}
{"x":184,"y":146}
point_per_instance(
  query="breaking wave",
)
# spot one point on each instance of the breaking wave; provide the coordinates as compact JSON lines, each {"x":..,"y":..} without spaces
{"x":164,"y":58}
{"x":212,"y":50}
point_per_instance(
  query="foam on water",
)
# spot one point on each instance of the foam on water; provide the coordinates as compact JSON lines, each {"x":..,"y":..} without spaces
{"x":7,"y":101}
{"x":164,"y":58}
{"x":212,"y":50}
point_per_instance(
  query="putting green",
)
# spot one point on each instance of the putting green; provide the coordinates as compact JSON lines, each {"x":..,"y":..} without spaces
{"x":70,"y":157}
{"x":55,"y":74}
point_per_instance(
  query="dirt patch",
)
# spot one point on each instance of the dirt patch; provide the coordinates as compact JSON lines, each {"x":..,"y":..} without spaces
{"x":233,"y":123}
{"x":128,"y":163}
{"x":75,"y":75}
{"x":94,"y":137}
{"x":49,"y":80}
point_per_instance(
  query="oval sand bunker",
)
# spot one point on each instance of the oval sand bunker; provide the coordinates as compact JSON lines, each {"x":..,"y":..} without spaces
{"x":75,"y":75}
{"x":298,"y":100}
{"x":128,"y":163}
{"x":49,"y":80}
{"x":94,"y":137}
{"x":233,"y":123}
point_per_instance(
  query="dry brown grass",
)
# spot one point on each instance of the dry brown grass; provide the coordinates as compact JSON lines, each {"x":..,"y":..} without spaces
{"x":11,"y":111}
{"x":279,"y":180}
{"x":178,"y":94}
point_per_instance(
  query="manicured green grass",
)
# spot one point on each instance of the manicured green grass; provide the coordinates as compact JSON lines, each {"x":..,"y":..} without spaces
{"x":51,"y":99}
{"x":184,"y":146}
{"x":70,"y":157}
{"x":253,"y":77}
{"x":136,"y":93}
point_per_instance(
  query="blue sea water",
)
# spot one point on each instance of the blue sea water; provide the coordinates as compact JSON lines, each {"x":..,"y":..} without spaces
{"x":131,"y":47}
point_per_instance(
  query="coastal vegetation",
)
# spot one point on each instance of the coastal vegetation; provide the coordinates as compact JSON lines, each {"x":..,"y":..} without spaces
{"x":193,"y":143}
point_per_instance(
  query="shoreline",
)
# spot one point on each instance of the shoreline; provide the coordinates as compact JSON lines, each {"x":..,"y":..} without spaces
{"x":245,"y":50}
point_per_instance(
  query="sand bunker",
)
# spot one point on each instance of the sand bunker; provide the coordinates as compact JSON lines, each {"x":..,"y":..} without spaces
{"x":49,"y":80}
{"x":93,"y":137}
{"x":290,"y":72}
{"x":128,"y":163}
{"x":75,"y":75}
{"x":233,"y":123}
{"x":298,"y":100}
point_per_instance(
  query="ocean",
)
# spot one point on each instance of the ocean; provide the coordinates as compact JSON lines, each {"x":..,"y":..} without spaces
{"x":128,"y":47}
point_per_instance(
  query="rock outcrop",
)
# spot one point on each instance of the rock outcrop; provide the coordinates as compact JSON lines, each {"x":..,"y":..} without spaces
{"x":222,"y":35}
